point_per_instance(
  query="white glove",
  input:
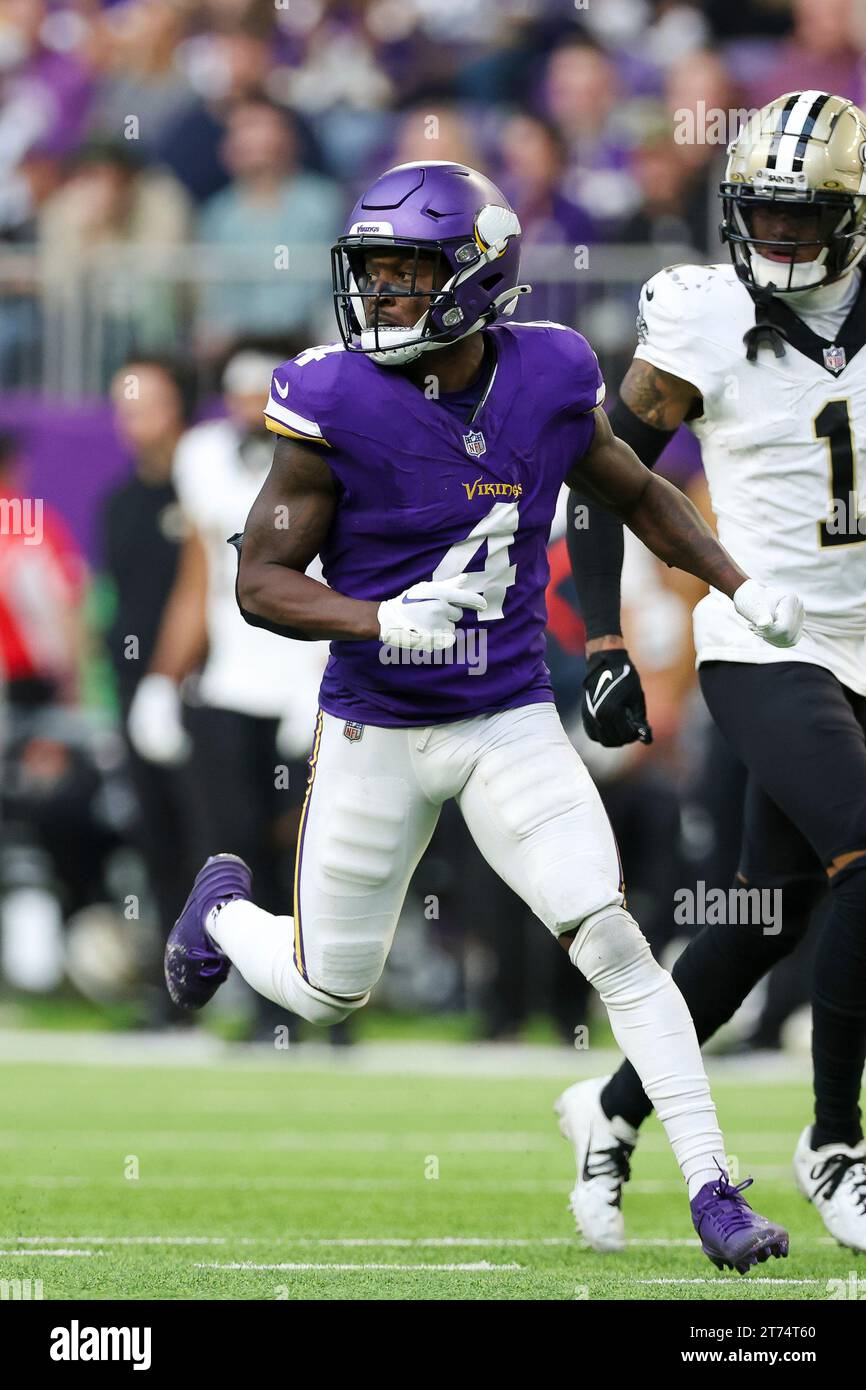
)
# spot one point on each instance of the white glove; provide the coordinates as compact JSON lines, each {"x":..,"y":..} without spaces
{"x":775,"y":616}
{"x":422,"y":618}
{"x":155,"y":725}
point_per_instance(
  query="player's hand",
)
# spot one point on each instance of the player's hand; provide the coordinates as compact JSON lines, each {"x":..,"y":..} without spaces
{"x":155,"y":725}
{"x":613,"y":706}
{"x":422,"y":618}
{"x":772,"y":614}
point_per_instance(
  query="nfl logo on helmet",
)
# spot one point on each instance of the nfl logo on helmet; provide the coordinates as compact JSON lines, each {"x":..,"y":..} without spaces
{"x":475,"y":443}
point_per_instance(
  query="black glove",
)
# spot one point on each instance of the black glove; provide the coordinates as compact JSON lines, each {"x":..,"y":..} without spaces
{"x":613,"y":705}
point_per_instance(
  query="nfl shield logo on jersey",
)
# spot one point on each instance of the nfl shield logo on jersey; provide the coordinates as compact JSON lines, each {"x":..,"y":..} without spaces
{"x":834,"y":358}
{"x":475,"y":442}
{"x":353,"y":731}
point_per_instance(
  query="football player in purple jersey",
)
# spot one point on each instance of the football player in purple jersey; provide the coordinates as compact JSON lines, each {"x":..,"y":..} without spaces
{"x":421,"y":457}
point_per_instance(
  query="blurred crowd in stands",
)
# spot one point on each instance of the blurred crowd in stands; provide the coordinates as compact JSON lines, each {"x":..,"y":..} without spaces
{"x":187,"y":164}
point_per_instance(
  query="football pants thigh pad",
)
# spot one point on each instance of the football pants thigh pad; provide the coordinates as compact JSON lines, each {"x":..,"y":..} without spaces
{"x":536,"y":815}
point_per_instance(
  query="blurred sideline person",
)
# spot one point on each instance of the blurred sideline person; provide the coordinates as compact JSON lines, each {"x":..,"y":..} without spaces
{"x":431,"y":509}
{"x":142,"y":528}
{"x":42,"y":583}
{"x":767,"y":359}
{"x":247,"y":731}
{"x":50,"y":847}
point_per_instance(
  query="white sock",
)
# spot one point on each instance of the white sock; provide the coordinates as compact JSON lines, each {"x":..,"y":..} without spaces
{"x":262,"y":947}
{"x":259,"y":944}
{"x":654,"y":1029}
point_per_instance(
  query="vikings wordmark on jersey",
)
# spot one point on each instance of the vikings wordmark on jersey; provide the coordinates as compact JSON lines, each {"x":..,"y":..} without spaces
{"x":422,"y":498}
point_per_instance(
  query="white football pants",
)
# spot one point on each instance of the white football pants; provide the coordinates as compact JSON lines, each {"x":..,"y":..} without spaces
{"x":372,"y":806}
{"x":373,"y":800}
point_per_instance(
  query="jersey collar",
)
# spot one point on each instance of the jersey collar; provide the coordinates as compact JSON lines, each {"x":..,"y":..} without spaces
{"x":833,"y":357}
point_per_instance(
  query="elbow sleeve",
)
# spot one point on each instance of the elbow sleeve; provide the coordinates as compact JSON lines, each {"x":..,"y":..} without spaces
{"x":646,"y":441}
{"x":595,"y":549}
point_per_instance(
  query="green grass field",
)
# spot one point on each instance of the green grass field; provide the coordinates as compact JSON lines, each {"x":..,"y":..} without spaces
{"x":239,"y":1181}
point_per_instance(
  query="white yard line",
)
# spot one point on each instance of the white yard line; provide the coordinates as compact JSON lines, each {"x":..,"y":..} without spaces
{"x":53,"y":1254}
{"x":368,"y":1242}
{"x":726,"y":1279}
{"x":478,"y":1267}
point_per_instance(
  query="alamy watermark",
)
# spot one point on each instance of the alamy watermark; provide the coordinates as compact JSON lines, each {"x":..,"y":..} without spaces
{"x":22,"y":516}
{"x":20,"y":1289}
{"x":850,"y":1288}
{"x":469,"y":650}
{"x":701,"y":906}
{"x":709,"y":125}
{"x":845,"y":518}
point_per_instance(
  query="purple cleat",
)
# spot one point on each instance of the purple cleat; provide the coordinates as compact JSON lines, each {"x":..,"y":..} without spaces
{"x":195,"y":967}
{"x":732,"y":1235}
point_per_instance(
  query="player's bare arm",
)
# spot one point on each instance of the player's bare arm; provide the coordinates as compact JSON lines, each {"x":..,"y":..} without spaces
{"x":286,"y":529}
{"x":284,"y":532}
{"x":663,"y":401}
{"x":611,"y":474}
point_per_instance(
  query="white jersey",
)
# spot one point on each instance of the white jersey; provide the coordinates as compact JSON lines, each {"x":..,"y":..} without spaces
{"x":781,"y":438}
{"x":247,"y":669}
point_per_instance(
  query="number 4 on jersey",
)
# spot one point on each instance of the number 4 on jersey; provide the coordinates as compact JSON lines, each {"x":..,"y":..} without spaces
{"x":497,"y":530}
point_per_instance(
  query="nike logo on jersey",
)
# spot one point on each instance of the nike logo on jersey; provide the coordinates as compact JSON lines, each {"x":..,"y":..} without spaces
{"x":281,"y":390}
{"x":602,"y":690}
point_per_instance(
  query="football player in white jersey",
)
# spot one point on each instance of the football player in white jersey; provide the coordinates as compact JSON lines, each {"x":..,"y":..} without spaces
{"x":766,"y":361}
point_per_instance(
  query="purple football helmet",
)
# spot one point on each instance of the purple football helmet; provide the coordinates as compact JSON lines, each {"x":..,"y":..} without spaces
{"x":440,"y":211}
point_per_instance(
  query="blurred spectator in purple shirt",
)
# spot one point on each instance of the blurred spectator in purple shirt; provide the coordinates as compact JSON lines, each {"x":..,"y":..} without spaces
{"x":582,"y":97}
{"x":44,"y":96}
{"x":534,"y":156}
{"x":44,"y":92}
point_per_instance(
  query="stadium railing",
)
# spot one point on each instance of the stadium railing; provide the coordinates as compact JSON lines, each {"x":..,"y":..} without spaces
{"x":66,"y":325}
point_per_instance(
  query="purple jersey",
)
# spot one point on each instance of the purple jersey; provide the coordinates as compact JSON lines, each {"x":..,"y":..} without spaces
{"x":423,"y":495}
